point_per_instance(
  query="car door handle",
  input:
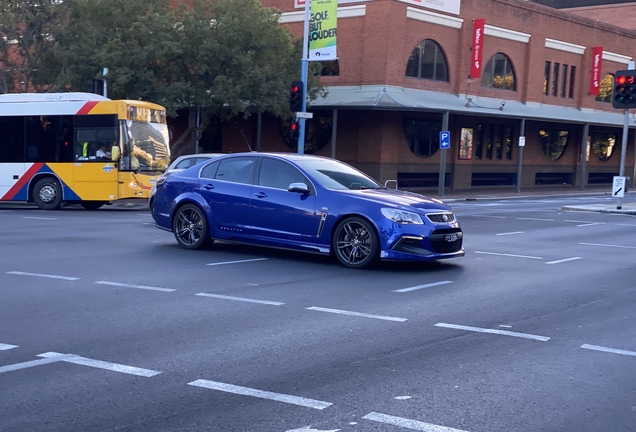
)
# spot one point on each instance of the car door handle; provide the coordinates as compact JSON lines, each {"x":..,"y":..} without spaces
{"x":208,"y":186}
{"x":260,"y":195}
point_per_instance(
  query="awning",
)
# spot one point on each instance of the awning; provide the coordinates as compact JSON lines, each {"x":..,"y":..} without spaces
{"x":380,"y":97}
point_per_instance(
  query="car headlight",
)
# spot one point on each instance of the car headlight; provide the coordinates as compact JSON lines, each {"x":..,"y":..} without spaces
{"x":402,"y":216}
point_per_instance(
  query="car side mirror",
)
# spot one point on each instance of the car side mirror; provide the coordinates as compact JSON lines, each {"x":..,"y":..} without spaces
{"x":298,"y":187}
{"x":114,"y":153}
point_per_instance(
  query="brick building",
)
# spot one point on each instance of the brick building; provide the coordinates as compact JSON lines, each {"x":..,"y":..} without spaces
{"x":403,"y":75}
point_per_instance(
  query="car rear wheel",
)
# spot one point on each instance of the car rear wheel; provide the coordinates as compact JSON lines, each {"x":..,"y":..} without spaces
{"x":190,"y":227}
{"x":355,"y":243}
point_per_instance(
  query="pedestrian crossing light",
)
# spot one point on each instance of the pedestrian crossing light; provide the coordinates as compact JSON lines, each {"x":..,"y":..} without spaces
{"x":624,"y":90}
{"x":296,"y":95}
{"x":294,"y":130}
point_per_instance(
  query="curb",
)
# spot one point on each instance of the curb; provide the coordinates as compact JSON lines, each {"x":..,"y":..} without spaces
{"x":599,"y":210}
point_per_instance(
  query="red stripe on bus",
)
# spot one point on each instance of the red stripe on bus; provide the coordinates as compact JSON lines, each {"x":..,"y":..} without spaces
{"x":23,"y":181}
{"x":88,"y":106}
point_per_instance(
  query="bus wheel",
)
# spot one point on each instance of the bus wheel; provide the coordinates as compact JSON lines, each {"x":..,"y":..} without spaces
{"x":47,"y":194}
{"x":91,"y":205}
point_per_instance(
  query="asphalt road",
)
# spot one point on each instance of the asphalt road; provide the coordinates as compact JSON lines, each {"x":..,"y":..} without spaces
{"x":105,"y":324}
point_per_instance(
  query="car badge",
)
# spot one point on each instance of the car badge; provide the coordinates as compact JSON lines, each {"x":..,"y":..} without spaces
{"x":108,"y":168}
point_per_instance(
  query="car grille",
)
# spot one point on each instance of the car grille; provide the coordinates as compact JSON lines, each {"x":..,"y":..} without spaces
{"x":447,"y":241}
{"x":446,"y":217}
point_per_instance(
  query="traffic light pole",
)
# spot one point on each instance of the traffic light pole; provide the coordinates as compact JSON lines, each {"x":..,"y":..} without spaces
{"x":621,"y":172}
{"x":303,"y":77}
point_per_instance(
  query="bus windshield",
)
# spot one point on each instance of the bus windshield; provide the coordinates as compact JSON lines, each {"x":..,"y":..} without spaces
{"x":145,"y":146}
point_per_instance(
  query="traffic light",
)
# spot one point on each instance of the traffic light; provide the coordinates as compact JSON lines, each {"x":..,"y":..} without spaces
{"x":296,"y":96}
{"x":96,"y":86}
{"x":294,"y":130}
{"x":624,"y":90}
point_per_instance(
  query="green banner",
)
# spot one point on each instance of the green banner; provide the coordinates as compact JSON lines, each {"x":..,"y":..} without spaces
{"x":323,"y":21}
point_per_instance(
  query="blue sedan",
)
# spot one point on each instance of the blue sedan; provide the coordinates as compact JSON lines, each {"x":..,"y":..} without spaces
{"x":306,"y":203}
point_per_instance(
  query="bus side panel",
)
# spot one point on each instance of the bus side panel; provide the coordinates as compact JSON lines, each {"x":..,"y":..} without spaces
{"x":133,"y":185}
{"x":93,"y":181}
{"x":12,"y":180}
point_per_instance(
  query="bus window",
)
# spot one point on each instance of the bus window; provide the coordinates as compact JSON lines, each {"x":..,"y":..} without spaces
{"x":48,"y":139}
{"x":12,"y":139}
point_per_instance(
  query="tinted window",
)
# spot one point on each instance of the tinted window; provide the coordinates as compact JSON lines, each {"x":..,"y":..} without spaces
{"x":279,"y":174}
{"x":201,"y":160}
{"x":185,"y":163}
{"x":336,"y":175}
{"x":96,"y":121}
{"x":49,"y":139}
{"x":237,"y":170}
{"x":12,"y":139}
{"x":89,"y":140}
{"x":210,"y":170}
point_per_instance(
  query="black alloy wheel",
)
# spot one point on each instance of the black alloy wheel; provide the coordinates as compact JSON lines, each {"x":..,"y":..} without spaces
{"x":355,"y":243}
{"x":190,"y":227}
{"x":47,"y":193}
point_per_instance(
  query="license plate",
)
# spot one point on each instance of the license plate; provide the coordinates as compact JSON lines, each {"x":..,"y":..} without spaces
{"x":450,"y":237}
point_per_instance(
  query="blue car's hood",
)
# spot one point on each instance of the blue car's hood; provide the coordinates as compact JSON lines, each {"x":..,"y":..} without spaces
{"x":400,"y":198}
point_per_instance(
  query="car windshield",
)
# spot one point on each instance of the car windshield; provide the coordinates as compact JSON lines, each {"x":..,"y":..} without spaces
{"x":333,"y":174}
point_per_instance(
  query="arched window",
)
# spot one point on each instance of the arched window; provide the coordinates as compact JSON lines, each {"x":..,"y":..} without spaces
{"x":605,"y":90}
{"x":427,"y":61}
{"x":498,"y":73}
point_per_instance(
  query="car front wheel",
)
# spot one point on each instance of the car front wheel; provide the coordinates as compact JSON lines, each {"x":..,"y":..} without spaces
{"x":355,"y":243}
{"x":190,"y":227}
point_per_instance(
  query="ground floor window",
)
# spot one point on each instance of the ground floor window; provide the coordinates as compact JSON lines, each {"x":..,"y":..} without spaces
{"x":553,"y":142}
{"x":422,"y":136}
{"x":603,"y":145}
{"x":493,"y":141}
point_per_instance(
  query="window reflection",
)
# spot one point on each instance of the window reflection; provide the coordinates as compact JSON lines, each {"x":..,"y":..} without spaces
{"x":553,"y":142}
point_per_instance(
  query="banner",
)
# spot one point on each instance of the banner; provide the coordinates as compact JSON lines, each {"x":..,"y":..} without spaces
{"x":595,"y":75}
{"x":323,"y":20}
{"x":477,"y":48}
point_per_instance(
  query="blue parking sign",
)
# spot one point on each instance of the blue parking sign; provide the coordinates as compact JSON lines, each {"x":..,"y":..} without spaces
{"x":444,"y":140}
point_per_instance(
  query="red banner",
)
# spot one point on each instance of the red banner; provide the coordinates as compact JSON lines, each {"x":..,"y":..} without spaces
{"x":597,"y":65}
{"x":477,"y":48}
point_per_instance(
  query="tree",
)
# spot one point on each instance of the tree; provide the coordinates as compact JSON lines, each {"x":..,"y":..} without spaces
{"x":28,"y":31}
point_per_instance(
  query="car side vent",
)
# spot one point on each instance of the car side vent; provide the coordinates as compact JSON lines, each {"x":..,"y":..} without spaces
{"x":446,"y":217}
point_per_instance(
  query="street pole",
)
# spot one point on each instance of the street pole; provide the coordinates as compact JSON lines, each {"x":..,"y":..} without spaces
{"x":522,"y":144}
{"x":621,"y":172}
{"x":584,"y":150}
{"x":441,"y":181}
{"x":304,"y":66}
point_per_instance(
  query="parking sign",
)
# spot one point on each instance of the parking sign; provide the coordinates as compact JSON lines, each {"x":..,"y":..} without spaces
{"x":444,"y":140}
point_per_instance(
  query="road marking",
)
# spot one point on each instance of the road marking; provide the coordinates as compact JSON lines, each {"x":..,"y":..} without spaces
{"x":144,"y":287}
{"x":38,"y":218}
{"x":576,"y":221}
{"x":43,"y":275}
{"x":500,"y":332}
{"x":4,"y":347}
{"x":609,"y":350}
{"x":236,"y":262}
{"x":537,"y":219}
{"x":407,"y":423}
{"x":632,"y":225}
{"x":494,"y":217}
{"x":510,"y":233}
{"x":358,"y":314}
{"x":246,"y":391}
{"x":143,"y":214}
{"x":592,"y":224}
{"x":422,"y":286}
{"x":115,"y":367}
{"x":608,"y":245}
{"x":510,"y":255}
{"x":564,"y":260}
{"x":266,"y":302}
{"x":148,"y":223}
{"x":30,"y":364}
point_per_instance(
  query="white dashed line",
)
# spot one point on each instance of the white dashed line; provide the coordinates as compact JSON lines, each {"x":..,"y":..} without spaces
{"x":246,"y":391}
{"x":591,"y":224}
{"x":30,"y":364}
{"x":577,"y":221}
{"x":499,"y":332}
{"x":509,"y":255}
{"x":609,"y":350}
{"x":608,"y":245}
{"x":358,"y":314}
{"x":537,"y":219}
{"x":564,"y":260}
{"x":38,"y":218}
{"x":236,"y":262}
{"x":115,"y":367}
{"x":242,"y":299}
{"x":418,"y":287}
{"x":630,"y":225}
{"x":43,"y":275}
{"x":510,"y":233}
{"x":494,"y":217}
{"x":4,"y":347}
{"x":407,"y":423}
{"x":143,"y":287}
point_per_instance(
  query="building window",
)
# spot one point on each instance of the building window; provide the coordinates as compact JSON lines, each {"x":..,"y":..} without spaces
{"x":553,"y":142}
{"x":330,"y":68}
{"x":572,"y":80}
{"x":564,"y":78}
{"x":603,"y":145}
{"x":427,"y":61}
{"x":496,"y":139}
{"x":498,"y":73}
{"x":605,"y":92}
{"x":546,"y":78}
{"x":422,"y":136}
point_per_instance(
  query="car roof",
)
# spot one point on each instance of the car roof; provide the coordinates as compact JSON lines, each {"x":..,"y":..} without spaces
{"x":282,"y":155}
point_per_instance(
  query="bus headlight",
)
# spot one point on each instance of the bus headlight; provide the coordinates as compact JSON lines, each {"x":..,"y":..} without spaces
{"x":133,"y":184}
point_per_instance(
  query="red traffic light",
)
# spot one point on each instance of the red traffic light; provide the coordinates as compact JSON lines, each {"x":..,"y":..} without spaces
{"x":294,"y":126}
{"x":621,"y":80}
{"x":294,"y":89}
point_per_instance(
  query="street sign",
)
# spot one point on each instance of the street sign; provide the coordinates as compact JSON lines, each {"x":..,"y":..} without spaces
{"x":304,"y":115}
{"x":618,"y":187}
{"x":444,"y":140}
{"x":522,"y":141}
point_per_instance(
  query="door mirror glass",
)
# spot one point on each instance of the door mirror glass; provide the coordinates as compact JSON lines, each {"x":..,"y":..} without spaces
{"x":298,"y":187}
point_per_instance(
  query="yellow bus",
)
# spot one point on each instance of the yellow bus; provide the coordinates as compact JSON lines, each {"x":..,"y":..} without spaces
{"x":79,"y":148}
